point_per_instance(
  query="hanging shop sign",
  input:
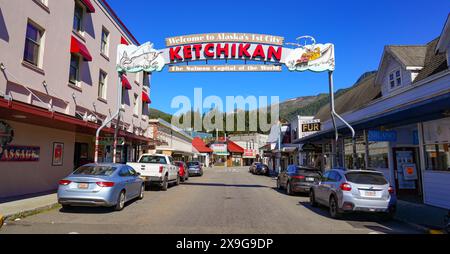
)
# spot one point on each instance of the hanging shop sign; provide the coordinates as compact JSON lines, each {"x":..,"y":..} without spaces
{"x":308,"y":127}
{"x":382,"y":136}
{"x":12,"y":153}
{"x":219,"y":149}
{"x":249,"y":153}
{"x":228,"y":47}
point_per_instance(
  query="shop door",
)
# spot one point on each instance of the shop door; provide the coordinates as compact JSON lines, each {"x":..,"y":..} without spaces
{"x":407,"y":176}
{"x":81,"y":156}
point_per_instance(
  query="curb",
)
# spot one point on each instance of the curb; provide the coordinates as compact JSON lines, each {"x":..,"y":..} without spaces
{"x":29,"y":212}
{"x":424,"y":229}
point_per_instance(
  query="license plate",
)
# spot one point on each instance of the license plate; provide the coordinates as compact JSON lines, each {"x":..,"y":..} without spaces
{"x":83,"y":185}
{"x":310,"y":179}
{"x":371,"y":193}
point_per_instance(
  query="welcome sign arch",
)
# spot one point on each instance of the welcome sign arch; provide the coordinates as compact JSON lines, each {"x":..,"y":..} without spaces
{"x":202,"y":48}
{"x":186,"y":53}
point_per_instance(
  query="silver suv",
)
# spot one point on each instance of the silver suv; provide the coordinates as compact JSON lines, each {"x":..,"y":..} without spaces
{"x":354,"y":191}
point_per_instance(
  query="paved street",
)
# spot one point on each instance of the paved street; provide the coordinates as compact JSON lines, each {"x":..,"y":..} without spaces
{"x":223,"y":201}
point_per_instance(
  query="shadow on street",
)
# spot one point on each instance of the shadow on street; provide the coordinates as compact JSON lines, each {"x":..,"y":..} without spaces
{"x":359,"y":220}
{"x":93,"y":210}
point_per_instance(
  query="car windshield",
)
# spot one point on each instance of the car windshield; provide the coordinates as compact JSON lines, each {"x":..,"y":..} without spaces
{"x":95,"y":170}
{"x":366,"y":178}
{"x":153,"y":159}
{"x":193,"y":164}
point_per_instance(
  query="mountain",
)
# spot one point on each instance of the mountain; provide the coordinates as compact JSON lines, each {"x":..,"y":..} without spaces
{"x":304,"y":106}
{"x":155,"y":114}
{"x":311,"y":105}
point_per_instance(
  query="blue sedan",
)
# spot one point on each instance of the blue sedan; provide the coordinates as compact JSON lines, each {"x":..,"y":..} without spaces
{"x":109,"y":185}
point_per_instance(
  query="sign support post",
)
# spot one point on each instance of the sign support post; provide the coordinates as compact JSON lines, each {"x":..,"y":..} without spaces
{"x":335,"y":115}
{"x":107,"y":121}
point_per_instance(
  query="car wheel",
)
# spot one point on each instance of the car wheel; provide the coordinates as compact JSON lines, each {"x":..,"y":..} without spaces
{"x":334,"y":209}
{"x":312,"y":199}
{"x":165,"y":184}
{"x":289,"y":189}
{"x":120,"y":202}
{"x":141,"y":194}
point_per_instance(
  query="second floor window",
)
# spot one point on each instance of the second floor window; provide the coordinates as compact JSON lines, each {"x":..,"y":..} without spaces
{"x":136,"y":105}
{"x":78,"y":18}
{"x":32,"y":44}
{"x":395,"y":79}
{"x":146,"y":81}
{"x":74,"y":72}
{"x":102,"y":85}
{"x":104,"y":43}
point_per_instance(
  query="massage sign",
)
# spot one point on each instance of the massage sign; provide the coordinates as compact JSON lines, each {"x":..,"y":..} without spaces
{"x":236,"y":52}
{"x":13,"y":152}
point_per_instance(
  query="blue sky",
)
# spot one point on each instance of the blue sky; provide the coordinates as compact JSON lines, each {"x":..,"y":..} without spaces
{"x":359,"y":30}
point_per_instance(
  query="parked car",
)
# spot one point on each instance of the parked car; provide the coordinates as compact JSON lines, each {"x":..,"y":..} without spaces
{"x":261,"y":169}
{"x":110,"y":185}
{"x":296,"y":179}
{"x":184,"y":175}
{"x":195,"y":168}
{"x":354,"y":190}
{"x":157,"y":169}
{"x":252,"y":168}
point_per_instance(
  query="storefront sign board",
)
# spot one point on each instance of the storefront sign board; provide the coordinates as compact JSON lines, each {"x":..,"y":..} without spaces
{"x":382,"y":136}
{"x":13,"y":153}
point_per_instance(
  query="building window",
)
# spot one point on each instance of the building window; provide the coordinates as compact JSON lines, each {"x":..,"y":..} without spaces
{"x":74,"y":74}
{"x":78,"y":18}
{"x":360,"y":153}
{"x":436,"y":137}
{"x":33,"y":44}
{"x":105,"y":42}
{"x":438,"y":157}
{"x":146,"y":80}
{"x":378,"y":155}
{"x":102,"y":85}
{"x":395,"y":79}
{"x":136,"y":105}
{"x":124,"y":93}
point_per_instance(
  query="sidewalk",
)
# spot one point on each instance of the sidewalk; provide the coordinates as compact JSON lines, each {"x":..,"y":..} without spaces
{"x":29,"y":205}
{"x":425,"y":216}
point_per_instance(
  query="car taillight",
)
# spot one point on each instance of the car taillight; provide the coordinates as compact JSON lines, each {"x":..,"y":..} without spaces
{"x":299,"y":177}
{"x":346,"y":187}
{"x":161,"y":169}
{"x":65,"y":182}
{"x":391,"y":190}
{"x":105,"y":184}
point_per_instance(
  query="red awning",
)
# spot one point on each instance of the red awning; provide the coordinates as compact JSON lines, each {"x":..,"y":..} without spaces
{"x":76,"y":47}
{"x":201,"y":147}
{"x":125,"y":83}
{"x":89,"y":7}
{"x":146,"y":98}
{"x":124,"y":41}
{"x":234,"y":148}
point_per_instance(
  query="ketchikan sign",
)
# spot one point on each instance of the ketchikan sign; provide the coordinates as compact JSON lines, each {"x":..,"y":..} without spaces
{"x":192,"y":53}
